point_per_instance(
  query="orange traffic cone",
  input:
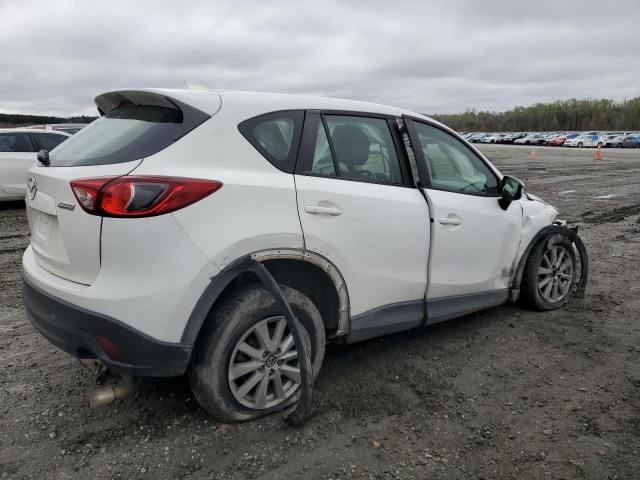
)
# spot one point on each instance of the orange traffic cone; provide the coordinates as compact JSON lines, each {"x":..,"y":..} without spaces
{"x":533,"y":154}
{"x":598,"y":155}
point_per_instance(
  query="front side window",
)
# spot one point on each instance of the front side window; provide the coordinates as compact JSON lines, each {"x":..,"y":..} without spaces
{"x":49,"y":141}
{"x":18,"y":142}
{"x":276,"y":136}
{"x":452,"y":165}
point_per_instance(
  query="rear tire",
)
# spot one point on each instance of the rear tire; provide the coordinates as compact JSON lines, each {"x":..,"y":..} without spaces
{"x":580,"y":145}
{"x":548,"y":281}
{"x":233,"y":327}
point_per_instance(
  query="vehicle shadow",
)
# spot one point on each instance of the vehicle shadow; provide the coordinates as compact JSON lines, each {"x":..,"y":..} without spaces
{"x":12,"y":205}
{"x":342,"y":361}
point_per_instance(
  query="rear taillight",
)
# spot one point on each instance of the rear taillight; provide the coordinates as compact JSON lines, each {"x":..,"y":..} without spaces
{"x":139,"y":196}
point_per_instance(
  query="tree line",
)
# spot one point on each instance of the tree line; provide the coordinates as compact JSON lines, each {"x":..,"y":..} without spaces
{"x":15,"y":119}
{"x":565,"y":115}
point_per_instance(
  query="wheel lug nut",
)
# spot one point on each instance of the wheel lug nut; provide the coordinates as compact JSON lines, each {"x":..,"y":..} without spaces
{"x":279,"y":362}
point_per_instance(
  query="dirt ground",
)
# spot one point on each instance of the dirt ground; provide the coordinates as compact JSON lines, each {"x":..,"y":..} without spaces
{"x":506,"y":393}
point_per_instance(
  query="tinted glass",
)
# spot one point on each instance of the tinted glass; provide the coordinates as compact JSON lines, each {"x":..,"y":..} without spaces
{"x":15,"y":142}
{"x":276,"y":136}
{"x":364,"y":149}
{"x":49,"y":141}
{"x":123,"y":135}
{"x":452,"y":166}
{"x":322,"y":159}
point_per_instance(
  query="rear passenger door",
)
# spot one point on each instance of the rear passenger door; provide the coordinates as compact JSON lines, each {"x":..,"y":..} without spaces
{"x":17,"y":155}
{"x":358,"y":208}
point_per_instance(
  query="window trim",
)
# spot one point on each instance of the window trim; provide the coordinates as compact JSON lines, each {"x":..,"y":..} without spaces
{"x":314,"y":118}
{"x":421,"y":161}
{"x":299,"y":119}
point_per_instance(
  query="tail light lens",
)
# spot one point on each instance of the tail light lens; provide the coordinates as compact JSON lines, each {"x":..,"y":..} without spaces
{"x":140,"y":196}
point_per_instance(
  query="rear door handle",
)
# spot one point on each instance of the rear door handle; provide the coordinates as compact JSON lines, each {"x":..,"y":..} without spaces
{"x":318,"y":210}
{"x":450,"y":221}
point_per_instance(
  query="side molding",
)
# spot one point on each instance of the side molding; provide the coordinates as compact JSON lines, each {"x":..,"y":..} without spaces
{"x":387,"y":319}
{"x":446,"y":308}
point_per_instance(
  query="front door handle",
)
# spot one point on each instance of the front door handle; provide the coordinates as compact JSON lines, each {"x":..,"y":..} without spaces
{"x":318,"y":210}
{"x":450,"y":221}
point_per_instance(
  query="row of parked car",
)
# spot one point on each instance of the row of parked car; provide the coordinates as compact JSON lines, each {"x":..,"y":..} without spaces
{"x":559,"y":139}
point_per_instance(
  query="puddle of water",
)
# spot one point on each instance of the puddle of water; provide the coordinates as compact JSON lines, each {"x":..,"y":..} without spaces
{"x":611,"y":195}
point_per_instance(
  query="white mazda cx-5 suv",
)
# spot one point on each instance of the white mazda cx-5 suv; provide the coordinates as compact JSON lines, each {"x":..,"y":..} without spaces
{"x":372,"y":220}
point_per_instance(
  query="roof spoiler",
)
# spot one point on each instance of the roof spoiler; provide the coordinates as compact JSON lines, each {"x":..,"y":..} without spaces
{"x":191,"y":116}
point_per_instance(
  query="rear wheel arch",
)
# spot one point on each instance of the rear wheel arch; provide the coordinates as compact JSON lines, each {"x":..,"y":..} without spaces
{"x":310,"y":273}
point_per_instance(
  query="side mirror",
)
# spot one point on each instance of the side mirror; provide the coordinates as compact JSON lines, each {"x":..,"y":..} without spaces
{"x":43,"y":158}
{"x":510,"y":190}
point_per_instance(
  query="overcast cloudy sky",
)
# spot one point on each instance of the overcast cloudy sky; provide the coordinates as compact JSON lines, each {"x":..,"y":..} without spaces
{"x":428,"y":56}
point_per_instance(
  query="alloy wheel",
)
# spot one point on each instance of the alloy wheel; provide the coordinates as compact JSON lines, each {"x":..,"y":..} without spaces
{"x":555,"y":273}
{"x":264,"y":370}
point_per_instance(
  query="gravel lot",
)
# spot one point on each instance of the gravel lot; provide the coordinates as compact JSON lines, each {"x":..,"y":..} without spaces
{"x":505,"y":393}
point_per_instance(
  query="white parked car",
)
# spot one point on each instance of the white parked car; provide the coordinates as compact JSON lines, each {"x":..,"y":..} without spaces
{"x":18,"y":147}
{"x":590,"y":140}
{"x":493,"y":138}
{"x":371,"y":218}
{"x":69,"y":128}
{"x":532,"y":139}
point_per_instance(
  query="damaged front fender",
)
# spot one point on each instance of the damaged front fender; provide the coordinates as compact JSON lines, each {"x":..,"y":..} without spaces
{"x":544,"y":235}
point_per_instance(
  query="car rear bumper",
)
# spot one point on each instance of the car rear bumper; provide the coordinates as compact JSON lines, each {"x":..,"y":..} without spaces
{"x":86,"y":334}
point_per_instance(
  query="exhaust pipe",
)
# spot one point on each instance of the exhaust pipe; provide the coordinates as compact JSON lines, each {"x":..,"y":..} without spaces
{"x":106,"y":395}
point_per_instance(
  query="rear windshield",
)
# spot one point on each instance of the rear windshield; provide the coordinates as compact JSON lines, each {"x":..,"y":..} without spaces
{"x":124,"y":134}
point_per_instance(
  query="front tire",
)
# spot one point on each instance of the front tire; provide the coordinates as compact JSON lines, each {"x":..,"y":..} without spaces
{"x":245,"y":363}
{"x":549,"y":276}
{"x":580,"y":145}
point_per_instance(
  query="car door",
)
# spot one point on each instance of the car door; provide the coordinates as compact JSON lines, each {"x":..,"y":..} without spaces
{"x":359,"y":209}
{"x":17,"y":155}
{"x":474,"y":242}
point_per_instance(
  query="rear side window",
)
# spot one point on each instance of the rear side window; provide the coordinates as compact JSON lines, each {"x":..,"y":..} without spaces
{"x":124,"y":134}
{"x":364,"y":149}
{"x":49,"y":141}
{"x":16,"y":142}
{"x":276,"y":136}
{"x":354,"y":148}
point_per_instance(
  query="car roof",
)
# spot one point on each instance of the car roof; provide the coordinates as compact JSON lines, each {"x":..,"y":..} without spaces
{"x":32,"y":130}
{"x":255,"y":103}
